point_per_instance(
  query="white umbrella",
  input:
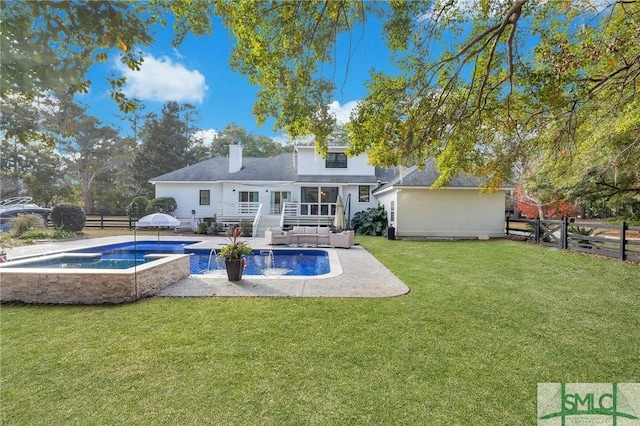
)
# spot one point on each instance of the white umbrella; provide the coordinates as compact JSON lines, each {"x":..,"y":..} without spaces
{"x":157,"y":220}
{"x":339,"y":221}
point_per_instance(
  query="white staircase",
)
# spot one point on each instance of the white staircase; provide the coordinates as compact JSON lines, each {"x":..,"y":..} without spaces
{"x":267,"y":221}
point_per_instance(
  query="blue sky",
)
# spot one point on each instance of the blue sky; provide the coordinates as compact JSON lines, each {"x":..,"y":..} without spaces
{"x":198,"y":72}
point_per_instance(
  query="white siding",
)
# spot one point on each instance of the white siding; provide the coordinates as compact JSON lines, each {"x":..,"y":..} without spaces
{"x":187,"y":196}
{"x":449,"y":213}
{"x":386,"y":199}
{"x":308,"y":163}
{"x":356,"y":206}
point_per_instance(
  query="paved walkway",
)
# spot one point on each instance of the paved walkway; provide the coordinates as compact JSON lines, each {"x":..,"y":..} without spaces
{"x":355,"y":273}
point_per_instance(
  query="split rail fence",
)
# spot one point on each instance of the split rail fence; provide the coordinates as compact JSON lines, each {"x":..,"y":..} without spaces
{"x":579,"y":236}
{"x":105,"y":222}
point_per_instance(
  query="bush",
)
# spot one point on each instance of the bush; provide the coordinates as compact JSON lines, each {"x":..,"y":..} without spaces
{"x":215,"y":228}
{"x":202,"y":228}
{"x":372,"y":221}
{"x":26,"y":222}
{"x":60,"y":234}
{"x":37,"y":234}
{"x":141,"y":202}
{"x":68,"y":217}
{"x":166,"y":205}
{"x":246,"y":227}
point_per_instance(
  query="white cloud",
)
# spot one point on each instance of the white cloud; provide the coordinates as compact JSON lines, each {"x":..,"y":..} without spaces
{"x":161,"y":79}
{"x":207,"y":136}
{"x":343,"y":112}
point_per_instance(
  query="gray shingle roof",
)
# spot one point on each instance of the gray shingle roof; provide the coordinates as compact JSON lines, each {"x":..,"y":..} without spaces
{"x":337,"y":178}
{"x":282,"y":168}
{"x":279,"y":168}
{"x":412,"y":176}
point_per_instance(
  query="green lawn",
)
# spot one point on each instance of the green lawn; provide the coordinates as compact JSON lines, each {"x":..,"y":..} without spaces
{"x":483,"y":324}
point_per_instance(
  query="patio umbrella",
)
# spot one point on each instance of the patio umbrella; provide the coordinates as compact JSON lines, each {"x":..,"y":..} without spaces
{"x":339,"y":221}
{"x":157,"y":220}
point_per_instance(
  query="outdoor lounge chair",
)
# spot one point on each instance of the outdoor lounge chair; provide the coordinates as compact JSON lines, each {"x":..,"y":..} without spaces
{"x":343,"y":239}
{"x":276,"y":236}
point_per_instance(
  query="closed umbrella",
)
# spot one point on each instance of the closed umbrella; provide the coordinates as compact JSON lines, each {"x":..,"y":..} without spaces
{"x":157,"y":220}
{"x":339,"y":221}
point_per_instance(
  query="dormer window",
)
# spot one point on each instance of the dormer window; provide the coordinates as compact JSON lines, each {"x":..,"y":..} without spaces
{"x":336,"y":160}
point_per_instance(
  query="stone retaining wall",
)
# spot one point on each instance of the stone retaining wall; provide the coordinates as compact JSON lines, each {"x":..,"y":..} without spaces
{"x":91,"y":286}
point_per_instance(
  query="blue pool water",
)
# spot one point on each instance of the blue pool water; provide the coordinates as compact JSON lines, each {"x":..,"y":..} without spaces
{"x":259,"y":262}
{"x":71,"y":262}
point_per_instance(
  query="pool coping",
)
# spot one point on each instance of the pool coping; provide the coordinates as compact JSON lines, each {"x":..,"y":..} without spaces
{"x":362,"y":274}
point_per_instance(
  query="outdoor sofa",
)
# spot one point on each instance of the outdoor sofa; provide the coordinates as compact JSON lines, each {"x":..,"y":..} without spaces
{"x":310,"y":235}
{"x":344,"y":239}
{"x":277,"y":235}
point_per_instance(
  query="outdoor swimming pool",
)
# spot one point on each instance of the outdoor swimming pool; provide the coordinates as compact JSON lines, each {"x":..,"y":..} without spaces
{"x":280,"y":262}
{"x":125,"y":272}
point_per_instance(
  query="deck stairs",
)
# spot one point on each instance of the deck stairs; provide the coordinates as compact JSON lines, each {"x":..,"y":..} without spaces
{"x":267,"y":221}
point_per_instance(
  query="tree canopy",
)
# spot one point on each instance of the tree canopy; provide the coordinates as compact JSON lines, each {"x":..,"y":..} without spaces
{"x":480,"y":86}
{"x":167,"y":144}
{"x":252,"y":145}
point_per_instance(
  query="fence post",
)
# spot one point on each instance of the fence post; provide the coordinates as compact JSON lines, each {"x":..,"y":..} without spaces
{"x":507,"y":227}
{"x":537,"y":230}
{"x":101,"y":220}
{"x":623,"y":239}
{"x":564,"y":231}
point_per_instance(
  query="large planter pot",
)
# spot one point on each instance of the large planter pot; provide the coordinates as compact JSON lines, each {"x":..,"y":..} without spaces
{"x":234,"y":269}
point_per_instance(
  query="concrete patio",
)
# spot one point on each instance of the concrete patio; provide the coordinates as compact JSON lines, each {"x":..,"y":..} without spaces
{"x":354,"y":272}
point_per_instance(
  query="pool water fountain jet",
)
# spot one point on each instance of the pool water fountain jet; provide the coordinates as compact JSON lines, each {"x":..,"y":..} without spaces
{"x":211,"y":253}
{"x":270,"y":266}
{"x":218,"y":268}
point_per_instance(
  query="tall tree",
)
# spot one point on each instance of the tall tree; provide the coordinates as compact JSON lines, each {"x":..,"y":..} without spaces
{"x":95,"y":150}
{"x":46,"y":180}
{"x":48,"y":45}
{"x":167,"y":144}
{"x":252,"y":145}
{"x":510,"y":69}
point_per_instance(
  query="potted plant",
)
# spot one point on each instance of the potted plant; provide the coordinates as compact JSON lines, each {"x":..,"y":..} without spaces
{"x":233,"y":254}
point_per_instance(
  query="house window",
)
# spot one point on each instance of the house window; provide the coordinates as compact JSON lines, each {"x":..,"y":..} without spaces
{"x":205,"y":197}
{"x":336,"y":160}
{"x":392,"y":212}
{"x":318,"y":200}
{"x":248,"y":196}
{"x":364,"y":194}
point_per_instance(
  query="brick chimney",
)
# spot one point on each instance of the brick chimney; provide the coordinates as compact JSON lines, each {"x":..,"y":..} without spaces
{"x":235,"y":158}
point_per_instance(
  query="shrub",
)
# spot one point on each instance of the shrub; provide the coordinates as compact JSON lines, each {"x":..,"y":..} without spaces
{"x":216,"y":228}
{"x":246,"y":227}
{"x":24,"y":223}
{"x":37,"y":234}
{"x":68,"y":217}
{"x":140,"y":202}
{"x":166,"y":205}
{"x":589,"y":232}
{"x":203,"y":227}
{"x":60,"y":234}
{"x":372,"y":221}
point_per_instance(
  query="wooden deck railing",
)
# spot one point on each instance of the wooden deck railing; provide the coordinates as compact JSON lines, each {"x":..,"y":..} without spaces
{"x":296,"y":214}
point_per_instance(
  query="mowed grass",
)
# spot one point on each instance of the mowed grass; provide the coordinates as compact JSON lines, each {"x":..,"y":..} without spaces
{"x":483,"y":324}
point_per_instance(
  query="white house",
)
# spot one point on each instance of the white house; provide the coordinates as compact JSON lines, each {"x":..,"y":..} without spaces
{"x":460,"y":210}
{"x":302,"y":188}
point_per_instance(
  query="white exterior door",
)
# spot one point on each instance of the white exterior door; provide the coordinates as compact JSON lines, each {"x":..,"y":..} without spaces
{"x":278,"y":198}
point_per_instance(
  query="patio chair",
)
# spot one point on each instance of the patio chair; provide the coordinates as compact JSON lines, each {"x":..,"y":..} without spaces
{"x":277,"y":235}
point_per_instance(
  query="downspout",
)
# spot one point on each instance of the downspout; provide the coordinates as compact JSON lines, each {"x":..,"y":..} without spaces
{"x":348,"y":208}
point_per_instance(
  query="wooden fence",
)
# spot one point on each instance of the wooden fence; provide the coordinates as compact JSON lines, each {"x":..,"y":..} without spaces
{"x":595,"y":238}
{"x":105,"y":222}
